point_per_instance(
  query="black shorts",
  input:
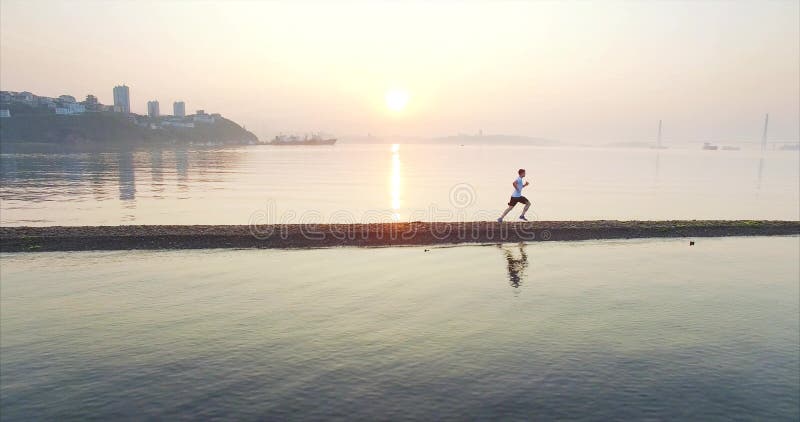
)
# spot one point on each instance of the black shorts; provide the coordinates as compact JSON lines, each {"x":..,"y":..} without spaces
{"x":515,"y":200}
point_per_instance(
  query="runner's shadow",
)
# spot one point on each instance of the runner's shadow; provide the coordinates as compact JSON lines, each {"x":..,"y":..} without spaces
{"x":515,"y":266}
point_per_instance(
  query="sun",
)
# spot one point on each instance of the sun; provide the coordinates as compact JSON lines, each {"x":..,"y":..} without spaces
{"x":397,"y":99}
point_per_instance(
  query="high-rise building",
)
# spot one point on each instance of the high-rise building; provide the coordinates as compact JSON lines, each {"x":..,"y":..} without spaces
{"x":152,"y":108}
{"x":122,"y":98}
{"x":179,"y":109}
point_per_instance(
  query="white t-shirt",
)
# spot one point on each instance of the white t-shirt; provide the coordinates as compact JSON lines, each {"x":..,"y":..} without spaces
{"x":518,"y":191}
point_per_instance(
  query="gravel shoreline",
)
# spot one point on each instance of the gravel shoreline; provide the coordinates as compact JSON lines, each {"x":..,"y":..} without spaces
{"x":83,"y":238}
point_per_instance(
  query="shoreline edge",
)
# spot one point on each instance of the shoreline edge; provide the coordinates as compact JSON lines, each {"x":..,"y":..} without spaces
{"x":300,"y":236}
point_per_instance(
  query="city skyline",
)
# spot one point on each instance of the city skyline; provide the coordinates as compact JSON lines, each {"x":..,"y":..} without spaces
{"x":120,"y":101}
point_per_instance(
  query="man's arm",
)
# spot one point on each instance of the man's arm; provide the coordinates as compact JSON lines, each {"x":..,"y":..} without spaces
{"x":526,"y":183}
{"x":514,"y":185}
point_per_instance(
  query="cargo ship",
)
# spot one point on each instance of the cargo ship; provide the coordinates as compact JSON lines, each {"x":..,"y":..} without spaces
{"x":316,"y":139}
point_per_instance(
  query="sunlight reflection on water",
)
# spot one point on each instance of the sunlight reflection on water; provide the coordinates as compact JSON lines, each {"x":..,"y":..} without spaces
{"x":226,"y":186}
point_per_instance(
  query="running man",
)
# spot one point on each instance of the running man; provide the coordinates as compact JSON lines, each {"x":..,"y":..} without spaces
{"x":517,"y":197}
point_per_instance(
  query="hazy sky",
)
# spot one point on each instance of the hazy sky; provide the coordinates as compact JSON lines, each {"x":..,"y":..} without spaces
{"x":585,"y":72}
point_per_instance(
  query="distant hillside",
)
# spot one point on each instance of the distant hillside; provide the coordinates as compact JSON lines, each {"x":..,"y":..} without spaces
{"x":494,"y":140}
{"x":630,"y":144}
{"x":461,"y":139}
{"x":116,"y":129}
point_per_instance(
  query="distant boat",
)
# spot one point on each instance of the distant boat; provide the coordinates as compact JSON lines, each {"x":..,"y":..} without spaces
{"x":790,"y":147}
{"x":730,"y":148}
{"x":710,"y":147}
{"x":306,"y":140}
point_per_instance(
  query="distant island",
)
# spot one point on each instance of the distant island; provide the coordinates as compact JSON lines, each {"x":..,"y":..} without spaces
{"x":493,"y":139}
{"x":460,"y":139}
{"x":27,"y":119}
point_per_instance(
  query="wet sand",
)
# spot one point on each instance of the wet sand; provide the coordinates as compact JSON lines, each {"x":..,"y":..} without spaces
{"x":80,"y":238}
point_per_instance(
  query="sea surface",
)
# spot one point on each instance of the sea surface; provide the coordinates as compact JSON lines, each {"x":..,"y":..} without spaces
{"x":596,"y":330}
{"x":401,"y":182}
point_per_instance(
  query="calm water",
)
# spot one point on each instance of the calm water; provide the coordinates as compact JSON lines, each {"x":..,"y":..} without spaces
{"x":367,"y":183}
{"x":650,"y":329}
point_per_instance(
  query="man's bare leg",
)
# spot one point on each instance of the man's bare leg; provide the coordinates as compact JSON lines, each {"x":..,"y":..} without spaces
{"x":524,"y":210}
{"x":508,"y":210}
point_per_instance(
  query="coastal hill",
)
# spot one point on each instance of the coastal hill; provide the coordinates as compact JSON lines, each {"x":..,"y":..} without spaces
{"x":30,"y":126}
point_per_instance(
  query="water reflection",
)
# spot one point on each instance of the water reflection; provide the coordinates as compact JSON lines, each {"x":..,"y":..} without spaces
{"x":98,"y":171}
{"x":515,"y":265}
{"x":182,"y":186}
{"x":760,"y":171}
{"x":73,"y":169}
{"x":395,"y":182}
{"x":156,"y":171}
{"x":658,"y":167}
{"x":8,"y":167}
{"x":127,"y":177}
{"x":182,"y":169}
{"x":35,"y":186}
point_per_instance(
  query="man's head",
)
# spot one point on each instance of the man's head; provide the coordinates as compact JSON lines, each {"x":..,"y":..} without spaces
{"x":521,"y":172}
